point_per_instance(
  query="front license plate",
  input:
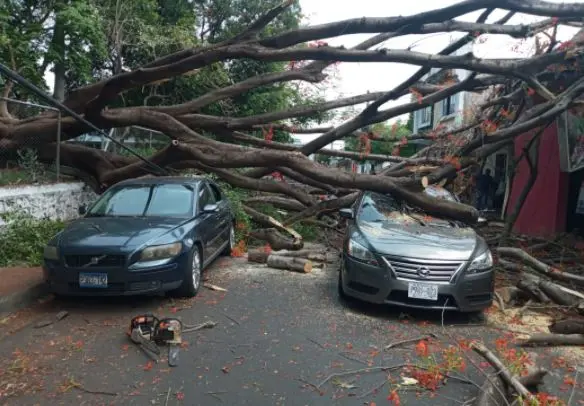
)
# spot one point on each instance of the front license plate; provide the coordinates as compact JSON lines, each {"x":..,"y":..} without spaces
{"x":92,"y":280}
{"x":424,"y":291}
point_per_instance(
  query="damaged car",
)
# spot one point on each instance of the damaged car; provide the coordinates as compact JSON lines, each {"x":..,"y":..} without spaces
{"x":395,"y":254}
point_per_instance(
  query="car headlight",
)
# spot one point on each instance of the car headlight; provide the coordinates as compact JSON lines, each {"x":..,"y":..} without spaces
{"x":160,"y":251}
{"x":51,"y":253}
{"x":481,"y":263}
{"x":361,"y":253}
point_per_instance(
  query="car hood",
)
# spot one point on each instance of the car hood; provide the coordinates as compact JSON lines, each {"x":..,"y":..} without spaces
{"x":414,"y":240}
{"x":119,"y":233}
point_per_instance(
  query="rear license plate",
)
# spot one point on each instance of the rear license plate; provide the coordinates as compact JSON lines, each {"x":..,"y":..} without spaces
{"x":92,"y":280}
{"x":424,"y":291}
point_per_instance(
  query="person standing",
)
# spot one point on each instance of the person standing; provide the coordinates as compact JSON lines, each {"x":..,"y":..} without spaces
{"x":485,"y":183}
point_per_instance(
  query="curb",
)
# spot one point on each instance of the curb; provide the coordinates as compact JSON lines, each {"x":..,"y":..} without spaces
{"x":24,"y":298}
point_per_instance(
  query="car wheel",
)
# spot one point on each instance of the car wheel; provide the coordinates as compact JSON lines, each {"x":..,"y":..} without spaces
{"x":192,"y":275}
{"x":231,"y":245}
{"x":476,"y":316}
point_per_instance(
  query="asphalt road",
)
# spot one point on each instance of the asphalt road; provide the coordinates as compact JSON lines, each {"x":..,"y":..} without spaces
{"x":278,"y":336}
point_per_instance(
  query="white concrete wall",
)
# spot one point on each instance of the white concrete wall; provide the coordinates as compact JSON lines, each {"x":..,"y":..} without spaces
{"x":55,"y":201}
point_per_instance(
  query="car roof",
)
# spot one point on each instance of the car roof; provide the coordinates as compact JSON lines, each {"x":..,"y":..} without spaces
{"x":163,"y":180}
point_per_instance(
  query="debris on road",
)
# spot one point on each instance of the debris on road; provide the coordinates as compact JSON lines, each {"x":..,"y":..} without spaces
{"x":494,"y":391}
{"x":189,"y":329}
{"x":44,"y":323}
{"x":148,"y":332}
{"x":214,"y":287}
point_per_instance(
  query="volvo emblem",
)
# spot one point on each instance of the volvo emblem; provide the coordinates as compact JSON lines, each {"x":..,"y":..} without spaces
{"x":94,"y":261}
{"x":423,"y":271}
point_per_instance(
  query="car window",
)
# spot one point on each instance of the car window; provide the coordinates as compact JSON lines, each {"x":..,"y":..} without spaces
{"x":216,"y":192}
{"x":205,"y":197}
{"x":146,"y":200}
{"x":172,"y":200}
{"x":377,"y":207}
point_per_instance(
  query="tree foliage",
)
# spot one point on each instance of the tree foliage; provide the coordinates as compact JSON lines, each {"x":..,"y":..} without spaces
{"x":380,"y":138}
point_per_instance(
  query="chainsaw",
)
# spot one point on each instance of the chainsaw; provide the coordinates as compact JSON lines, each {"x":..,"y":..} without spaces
{"x":148,"y":332}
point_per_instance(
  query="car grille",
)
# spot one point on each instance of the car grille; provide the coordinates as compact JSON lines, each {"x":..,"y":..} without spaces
{"x":436,"y":270}
{"x":85,"y":261}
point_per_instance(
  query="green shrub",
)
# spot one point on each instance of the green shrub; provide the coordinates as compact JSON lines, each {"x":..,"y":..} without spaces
{"x":24,"y":237}
{"x":242,"y":220}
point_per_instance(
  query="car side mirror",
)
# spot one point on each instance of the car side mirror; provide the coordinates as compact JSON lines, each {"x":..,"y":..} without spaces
{"x":82,"y":210}
{"x":346,"y":213}
{"x":210,"y":208}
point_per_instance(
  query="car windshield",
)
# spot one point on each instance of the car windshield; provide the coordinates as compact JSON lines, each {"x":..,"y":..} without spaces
{"x":145,"y":201}
{"x":377,"y":207}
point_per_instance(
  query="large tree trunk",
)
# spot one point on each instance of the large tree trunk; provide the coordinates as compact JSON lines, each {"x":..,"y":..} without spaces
{"x":59,"y":65}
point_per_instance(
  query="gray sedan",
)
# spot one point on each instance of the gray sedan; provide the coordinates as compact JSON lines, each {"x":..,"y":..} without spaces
{"x":393,"y":254}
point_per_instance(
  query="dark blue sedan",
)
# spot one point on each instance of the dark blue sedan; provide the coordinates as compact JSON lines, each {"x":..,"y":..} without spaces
{"x":148,"y":235}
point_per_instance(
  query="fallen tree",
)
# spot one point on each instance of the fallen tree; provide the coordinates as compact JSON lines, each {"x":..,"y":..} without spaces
{"x":229,"y":147}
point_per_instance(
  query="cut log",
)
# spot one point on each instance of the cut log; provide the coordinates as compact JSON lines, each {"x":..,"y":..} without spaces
{"x":290,"y":263}
{"x":553,"y":340}
{"x":545,"y":269}
{"x":313,"y":255}
{"x":258,"y":255}
{"x":567,"y":326}
{"x":532,"y":289}
{"x":269,"y":221}
{"x":276,"y":240}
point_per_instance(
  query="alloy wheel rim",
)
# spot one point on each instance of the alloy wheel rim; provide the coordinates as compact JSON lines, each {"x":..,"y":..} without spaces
{"x":196,"y":270}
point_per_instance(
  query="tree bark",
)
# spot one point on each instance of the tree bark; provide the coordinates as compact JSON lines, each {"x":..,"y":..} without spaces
{"x":59,"y":64}
{"x":289,"y":263}
{"x":258,"y":255}
{"x":276,"y":240}
{"x":541,"y":267}
{"x":316,"y":256}
{"x":268,"y":221}
{"x":276,"y":201}
{"x":567,"y":326}
{"x":532,"y":290}
{"x":554,"y":340}
{"x":503,"y":372}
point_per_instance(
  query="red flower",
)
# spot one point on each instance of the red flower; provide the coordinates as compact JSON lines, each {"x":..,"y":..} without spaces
{"x":422,"y":348}
{"x":394,"y":397}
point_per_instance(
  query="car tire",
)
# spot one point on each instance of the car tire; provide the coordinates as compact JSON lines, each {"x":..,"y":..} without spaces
{"x":227,"y":251}
{"x":476,"y":316}
{"x":192,"y":275}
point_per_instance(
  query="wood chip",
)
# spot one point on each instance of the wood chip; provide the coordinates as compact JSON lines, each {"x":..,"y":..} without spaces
{"x":214,"y":287}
